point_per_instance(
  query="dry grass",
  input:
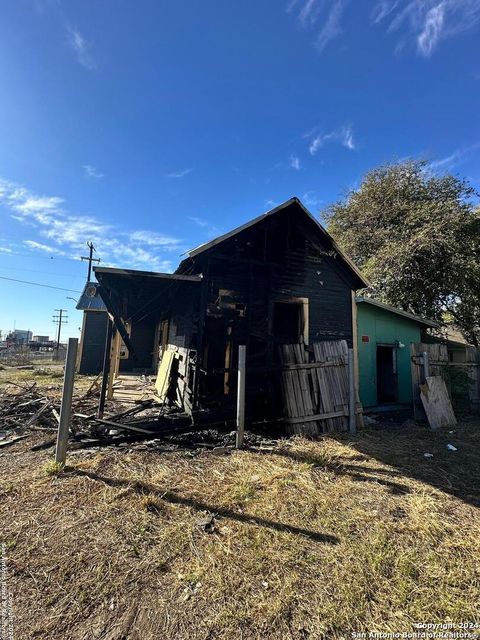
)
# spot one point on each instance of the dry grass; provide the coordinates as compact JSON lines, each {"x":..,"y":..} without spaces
{"x":48,"y":376}
{"x":314,"y":540}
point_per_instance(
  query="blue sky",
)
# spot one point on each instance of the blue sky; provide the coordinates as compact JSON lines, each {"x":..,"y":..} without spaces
{"x":151,"y":126}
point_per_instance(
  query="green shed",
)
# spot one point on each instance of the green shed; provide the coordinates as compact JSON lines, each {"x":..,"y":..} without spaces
{"x":384,"y":336}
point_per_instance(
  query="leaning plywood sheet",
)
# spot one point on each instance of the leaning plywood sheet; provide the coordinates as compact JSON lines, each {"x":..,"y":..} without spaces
{"x":162,"y":383}
{"x":436,"y":403}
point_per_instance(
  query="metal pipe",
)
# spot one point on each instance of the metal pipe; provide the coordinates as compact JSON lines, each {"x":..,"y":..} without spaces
{"x":426,"y":365}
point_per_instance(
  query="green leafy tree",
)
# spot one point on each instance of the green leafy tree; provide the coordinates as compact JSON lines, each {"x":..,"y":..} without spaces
{"x":416,"y":236}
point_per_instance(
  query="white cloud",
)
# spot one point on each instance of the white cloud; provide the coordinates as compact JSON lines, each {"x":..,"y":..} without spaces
{"x":32,"y":244}
{"x":343,"y":135}
{"x":347,"y":138}
{"x":427,"y":22}
{"x":155,"y":240}
{"x":82,"y":49}
{"x":179,"y":174}
{"x":5,"y":250}
{"x":432,"y":29}
{"x":66,"y":234}
{"x":91,"y":172}
{"x":295,"y":162}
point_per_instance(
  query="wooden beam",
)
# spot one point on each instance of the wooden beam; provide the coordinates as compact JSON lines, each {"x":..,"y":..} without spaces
{"x":319,"y":416}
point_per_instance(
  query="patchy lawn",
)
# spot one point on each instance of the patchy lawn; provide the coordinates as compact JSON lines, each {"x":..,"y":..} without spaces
{"x":310,"y":540}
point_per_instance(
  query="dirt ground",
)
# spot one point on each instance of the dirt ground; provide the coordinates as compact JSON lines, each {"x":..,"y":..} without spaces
{"x":303,"y":540}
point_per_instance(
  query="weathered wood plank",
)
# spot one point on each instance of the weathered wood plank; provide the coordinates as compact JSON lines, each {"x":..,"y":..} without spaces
{"x":436,"y":403}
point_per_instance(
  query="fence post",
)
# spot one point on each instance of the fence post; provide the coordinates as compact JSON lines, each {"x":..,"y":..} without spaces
{"x":66,"y":406}
{"x":106,"y":369}
{"x":241,"y":395}
{"x":426,"y":365}
{"x":352,"y":426}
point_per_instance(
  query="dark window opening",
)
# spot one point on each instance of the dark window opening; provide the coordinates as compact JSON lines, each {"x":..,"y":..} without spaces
{"x":386,"y":375}
{"x":287,"y":322}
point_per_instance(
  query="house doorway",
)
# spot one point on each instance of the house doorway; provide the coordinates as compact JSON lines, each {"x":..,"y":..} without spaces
{"x":387,"y":388}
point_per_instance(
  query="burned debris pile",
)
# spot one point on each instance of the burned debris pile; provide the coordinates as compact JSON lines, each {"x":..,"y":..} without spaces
{"x":27,"y":408}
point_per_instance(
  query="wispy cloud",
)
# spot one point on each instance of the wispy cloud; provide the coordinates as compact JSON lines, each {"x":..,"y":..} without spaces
{"x":321,"y":17}
{"x":5,"y":250}
{"x":32,"y":244}
{"x":179,"y":174}
{"x":421,"y":23}
{"x":82,"y":49}
{"x":153,"y":239}
{"x":331,"y":29}
{"x":63,"y":233}
{"x":454,"y":159}
{"x":271,"y":203}
{"x":432,"y":29}
{"x":426,"y":23}
{"x":383,"y":9}
{"x":317,"y":139}
{"x":295,"y":162}
{"x":91,"y":172}
{"x":211,"y":229}
{"x":311,"y":199}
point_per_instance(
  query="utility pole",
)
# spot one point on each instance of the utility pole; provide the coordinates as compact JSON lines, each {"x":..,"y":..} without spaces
{"x":90,"y":259}
{"x":60,"y":319}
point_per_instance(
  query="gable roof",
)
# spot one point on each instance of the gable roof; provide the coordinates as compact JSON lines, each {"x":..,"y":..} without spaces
{"x":399,"y":312}
{"x":90,"y":299}
{"x":292,"y":201}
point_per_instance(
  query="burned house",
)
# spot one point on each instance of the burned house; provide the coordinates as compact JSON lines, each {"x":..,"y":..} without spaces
{"x":278,"y":280}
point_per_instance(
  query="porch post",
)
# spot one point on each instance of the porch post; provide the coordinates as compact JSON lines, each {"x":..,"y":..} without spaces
{"x":241,"y":395}
{"x":106,"y":369}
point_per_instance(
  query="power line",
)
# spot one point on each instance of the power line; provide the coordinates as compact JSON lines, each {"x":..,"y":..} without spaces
{"x":38,"y":284}
{"x":64,"y":274}
{"x":38,"y":256}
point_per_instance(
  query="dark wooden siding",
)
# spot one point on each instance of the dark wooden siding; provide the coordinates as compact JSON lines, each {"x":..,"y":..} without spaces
{"x":93,"y":342}
{"x":280,"y":258}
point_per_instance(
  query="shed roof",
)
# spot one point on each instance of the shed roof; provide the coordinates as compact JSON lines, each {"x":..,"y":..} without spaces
{"x":399,"y":312}
{"x":292,"y":201}
{"x":99,"y":271}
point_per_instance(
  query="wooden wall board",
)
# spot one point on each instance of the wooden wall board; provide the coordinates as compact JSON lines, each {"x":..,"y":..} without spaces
{"x":162,"y":382}
{"x":436,"y":403}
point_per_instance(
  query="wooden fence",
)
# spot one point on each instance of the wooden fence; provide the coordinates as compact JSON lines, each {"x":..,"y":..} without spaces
{"x":462,"y":379}
{"x":316,"y":393}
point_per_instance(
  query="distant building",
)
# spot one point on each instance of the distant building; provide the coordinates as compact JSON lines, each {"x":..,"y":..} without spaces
{"x":41,"y":339}
{"x":20,"y":336}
